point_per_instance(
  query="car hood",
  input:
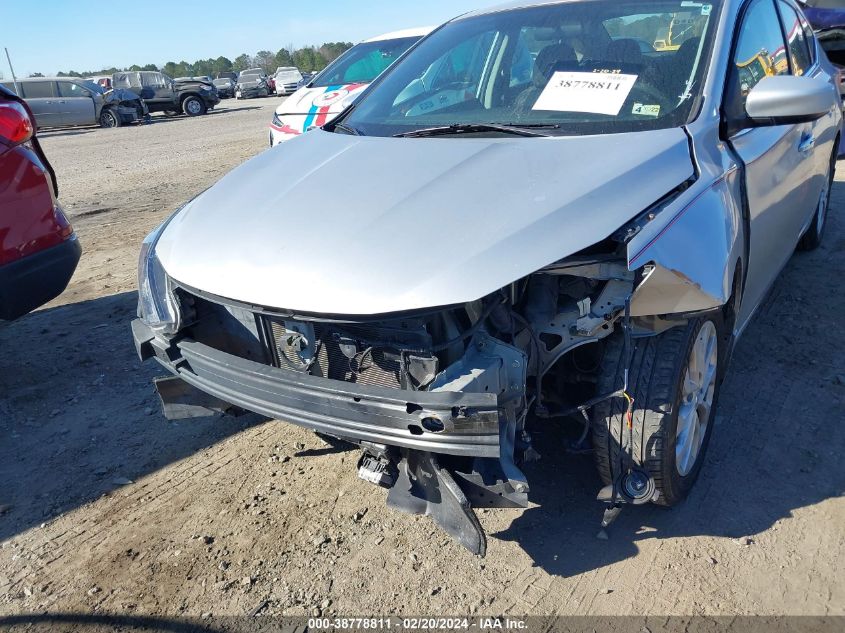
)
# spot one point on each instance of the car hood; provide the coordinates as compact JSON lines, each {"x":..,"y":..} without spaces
{"x":350,"y":225}
{"x":327,"y":99}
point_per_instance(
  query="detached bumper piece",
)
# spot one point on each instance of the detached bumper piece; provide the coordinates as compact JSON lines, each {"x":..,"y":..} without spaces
{"x":469,"y":422}
{"x":439,"y":470}
{"x":423,"y":487}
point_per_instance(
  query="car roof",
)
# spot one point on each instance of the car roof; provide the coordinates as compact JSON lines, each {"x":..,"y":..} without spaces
{"x":23,"y":80}
{"x":395,"y":35}
{"x":524,"y":4}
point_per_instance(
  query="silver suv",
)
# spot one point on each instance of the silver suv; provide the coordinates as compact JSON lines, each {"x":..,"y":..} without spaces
{"x":66,"y":101}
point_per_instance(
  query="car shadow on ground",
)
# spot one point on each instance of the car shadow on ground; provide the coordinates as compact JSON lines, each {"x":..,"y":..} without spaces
{"x":776,"y":446}
{"x":92,"y":623}
{"x":78,"y":413}
{"x":74,"y":131}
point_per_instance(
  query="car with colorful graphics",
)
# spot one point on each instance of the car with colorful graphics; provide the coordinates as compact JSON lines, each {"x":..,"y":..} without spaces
{"x":339,"y":84}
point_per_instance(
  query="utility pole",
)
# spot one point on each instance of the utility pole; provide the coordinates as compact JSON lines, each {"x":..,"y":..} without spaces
{"x":14,"y":79}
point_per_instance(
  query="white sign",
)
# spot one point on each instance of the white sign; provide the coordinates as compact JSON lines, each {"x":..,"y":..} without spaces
{"x":599,"y":93}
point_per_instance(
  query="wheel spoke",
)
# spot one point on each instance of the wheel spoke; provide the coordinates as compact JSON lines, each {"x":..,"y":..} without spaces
{"x":707,"y":383}
{"x":683,"y":452}
{"x":685,"y":414}
{"x":691,"y":386}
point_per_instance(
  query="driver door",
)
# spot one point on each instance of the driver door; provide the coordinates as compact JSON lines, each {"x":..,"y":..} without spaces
{"x":778,"y":166}
{"x":76,"y":104}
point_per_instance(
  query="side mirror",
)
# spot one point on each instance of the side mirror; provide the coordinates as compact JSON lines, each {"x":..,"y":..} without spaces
{"x":786,"y":100}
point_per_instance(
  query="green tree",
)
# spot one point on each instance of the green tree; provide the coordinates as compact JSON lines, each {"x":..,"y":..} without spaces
{"x":283,"y":58}
{"x":222,"y":65}
{"x":308,"y":59}
{"x":149,"y":67}
{"x":332,"y":50}
{"x":266,"y":61}
{"x":242,"y":62}
{"x":36,"y":75}
{"x":203,"y":67}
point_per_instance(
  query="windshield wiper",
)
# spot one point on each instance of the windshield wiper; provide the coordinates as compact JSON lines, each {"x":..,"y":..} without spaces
{"x":347,"y":128}
{"x":469,"y":128}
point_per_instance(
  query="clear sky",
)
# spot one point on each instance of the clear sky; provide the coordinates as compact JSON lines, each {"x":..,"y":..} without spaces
{"x":53,"y":35}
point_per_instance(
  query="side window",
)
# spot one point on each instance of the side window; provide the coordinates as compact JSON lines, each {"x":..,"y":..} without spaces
{"x":760,"y":52}
{"x":462,"y":66}
{"x":152,"y":80}
{"x":126,"y":80}
{"x":69,"y":89}
{"x":796,"y":40}
{"x":367,"y":67}
{"x":522,"y":64}
{"x":37,"y":89}
{"x":809,"y":36}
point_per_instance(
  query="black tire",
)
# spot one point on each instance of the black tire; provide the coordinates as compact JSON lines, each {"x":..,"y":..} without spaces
{"x":193,"y":106}
{"x":812,"y":238}
{"x":109,"y":118}
{"x":656,"y":381}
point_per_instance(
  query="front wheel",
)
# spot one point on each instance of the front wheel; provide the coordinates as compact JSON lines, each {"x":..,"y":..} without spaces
{"x":674,"y":380}
{"x":812,"y":238}
{"x":193,"y":106}
{"x":109,"y":118}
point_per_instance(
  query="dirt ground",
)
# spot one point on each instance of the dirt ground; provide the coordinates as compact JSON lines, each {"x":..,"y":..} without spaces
{"x":106,"y":507}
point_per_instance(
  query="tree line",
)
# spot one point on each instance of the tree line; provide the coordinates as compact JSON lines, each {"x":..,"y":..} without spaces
{"x":308,"y":58}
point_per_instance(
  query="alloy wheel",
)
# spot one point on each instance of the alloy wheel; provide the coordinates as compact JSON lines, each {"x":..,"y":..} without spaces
{"x":696,"y":398}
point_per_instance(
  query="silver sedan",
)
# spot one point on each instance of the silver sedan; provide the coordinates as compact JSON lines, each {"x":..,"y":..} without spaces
{"x":544,"y":210}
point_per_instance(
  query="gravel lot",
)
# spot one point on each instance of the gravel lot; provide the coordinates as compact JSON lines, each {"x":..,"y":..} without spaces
{"x":107,"y":508}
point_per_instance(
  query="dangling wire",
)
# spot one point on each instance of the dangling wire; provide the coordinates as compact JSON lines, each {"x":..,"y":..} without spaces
{"x":628,"y":354}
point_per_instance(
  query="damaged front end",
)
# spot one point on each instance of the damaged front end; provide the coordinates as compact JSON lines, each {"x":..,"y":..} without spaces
{"x":130,"y":108}
{"x":438,"y":400}
{"x":443,"y":401}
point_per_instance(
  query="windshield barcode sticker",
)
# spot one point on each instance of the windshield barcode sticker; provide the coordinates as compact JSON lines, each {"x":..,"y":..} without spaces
{"x":597,"y":93}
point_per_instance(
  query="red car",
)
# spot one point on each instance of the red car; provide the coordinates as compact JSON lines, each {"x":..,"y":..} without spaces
{"x":38,"y":248}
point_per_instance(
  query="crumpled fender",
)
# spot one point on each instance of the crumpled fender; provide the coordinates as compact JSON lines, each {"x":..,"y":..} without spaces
{"x":119,"y":95}
{"x":692,"y":248}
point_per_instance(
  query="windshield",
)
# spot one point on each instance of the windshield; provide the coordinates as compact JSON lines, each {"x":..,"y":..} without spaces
{"x":591,"y":67}
{"x":363,"y":62}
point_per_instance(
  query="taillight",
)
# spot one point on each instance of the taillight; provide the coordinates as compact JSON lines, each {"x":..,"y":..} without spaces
{"x":15,"y":124}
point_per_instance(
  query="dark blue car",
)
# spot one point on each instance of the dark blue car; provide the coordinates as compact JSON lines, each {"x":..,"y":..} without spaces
{"x":825,"y":14}
{"x":827,"y":18}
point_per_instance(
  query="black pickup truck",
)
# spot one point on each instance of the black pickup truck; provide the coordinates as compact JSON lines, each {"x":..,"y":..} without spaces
{"x":164,"y":94}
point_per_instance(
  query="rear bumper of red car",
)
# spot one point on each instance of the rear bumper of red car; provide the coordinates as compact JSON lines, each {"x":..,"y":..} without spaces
{"x":32,"y":281}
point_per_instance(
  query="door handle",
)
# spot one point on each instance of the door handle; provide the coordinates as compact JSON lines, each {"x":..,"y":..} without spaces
{"x":808,"y":142}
